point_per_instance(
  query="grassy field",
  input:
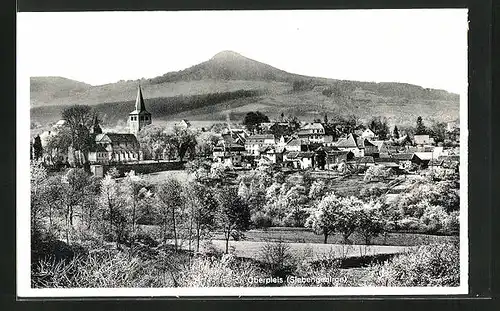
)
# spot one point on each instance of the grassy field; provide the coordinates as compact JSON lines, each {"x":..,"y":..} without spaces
{"x":310,"y":251}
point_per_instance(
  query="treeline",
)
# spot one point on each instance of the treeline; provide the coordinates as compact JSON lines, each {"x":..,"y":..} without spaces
{"x":385,"y":89}
{"x":165,"y":106}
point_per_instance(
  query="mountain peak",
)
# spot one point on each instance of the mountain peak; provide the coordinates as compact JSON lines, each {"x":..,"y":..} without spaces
{"x":225,"y":55}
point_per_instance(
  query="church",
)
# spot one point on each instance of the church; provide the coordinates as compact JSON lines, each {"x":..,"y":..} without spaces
{"x":121,"y":147}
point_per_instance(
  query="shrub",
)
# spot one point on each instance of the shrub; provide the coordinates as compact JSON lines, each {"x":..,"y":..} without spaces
{"x":429,"y":265}
{"x":213,"y":272}
{"x":377,"y":172}
{"x":278,"y":258}
{"x":261,"y":220}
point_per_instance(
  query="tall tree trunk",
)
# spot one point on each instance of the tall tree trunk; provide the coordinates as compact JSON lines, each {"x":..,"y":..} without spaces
{"x":325,"y":234}
{"x":228,"y":234}
{"x":174,"y":228}
{"x":67,"y":224}
{"x":197,"y":237}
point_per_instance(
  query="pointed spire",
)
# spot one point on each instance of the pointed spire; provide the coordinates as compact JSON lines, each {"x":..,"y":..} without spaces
{"x":139,"y":101}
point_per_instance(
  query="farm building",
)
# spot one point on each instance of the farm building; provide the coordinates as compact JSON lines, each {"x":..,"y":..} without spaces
{"x":422,"y":140}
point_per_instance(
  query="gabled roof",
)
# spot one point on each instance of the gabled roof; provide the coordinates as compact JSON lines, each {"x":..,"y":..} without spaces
{"x":402,"y":156}
{"x":435,"y":162}
{"x":260,"y":137}
{"x":306,"y":154}
{"x":423,"y":155}
{"x":116,"y":138}
{"x":365,"y":159}
{"x":449,"y":158}
{"x":292,"y":154}
{"x":347,"y":142}
{"x":295,"y":142}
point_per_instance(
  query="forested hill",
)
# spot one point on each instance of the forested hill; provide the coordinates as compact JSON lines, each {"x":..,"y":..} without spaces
{"x":229,"y":72}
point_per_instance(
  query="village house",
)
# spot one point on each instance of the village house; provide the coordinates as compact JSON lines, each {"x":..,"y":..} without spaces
{"x":367,"y":133}
{"x":299,"y":160}
{"x":255,"y":143}
{"x":422,"y":159}
{"x":335,"y":156}
{"x":273,"y":154}
{"x":312,"y":132}
{"x":423,"y":140}
{"x":353,"y":144}
{"x":370,"y":148}
{"x":295,"y":144}
{"x":231,"y":154}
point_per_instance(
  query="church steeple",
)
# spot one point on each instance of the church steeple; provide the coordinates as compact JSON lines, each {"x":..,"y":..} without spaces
{"x":140,"y":117}
{"x":139,"y":101}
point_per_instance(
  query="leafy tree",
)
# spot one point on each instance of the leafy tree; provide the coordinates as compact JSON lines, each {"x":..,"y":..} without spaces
{"x":438,"y":131}
{"x":37,"y":148}
{"x":134,"y":190}
{"x":74,"y":183}
{"x":202,"y":209}
{"x":379,"y":126}
{"x":253,"y":119}
{"x":233,"y":214}
{"x":112,"y":204}
{"x":205,"y":143}
{"x":38,"y":191}
{"x":395,"y":132}
{"x":184,"y":141}
{"x":420,"y":129}
{"x":153,"y":141}
{"x":170,"y":204}
{"x":80,"y":119}
{"x":370,"y":223}
{"x":323,"y":218}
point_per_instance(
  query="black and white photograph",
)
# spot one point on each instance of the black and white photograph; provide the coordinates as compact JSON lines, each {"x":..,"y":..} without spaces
{"x":242,"y":153}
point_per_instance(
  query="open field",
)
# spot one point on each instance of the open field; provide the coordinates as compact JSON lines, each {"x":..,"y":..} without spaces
{"x":310,"y":251}
{"x":306,"y":236}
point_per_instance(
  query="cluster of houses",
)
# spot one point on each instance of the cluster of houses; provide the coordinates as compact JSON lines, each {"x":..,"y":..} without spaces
{"x":308,"y":147}
{"x":311,"y":147}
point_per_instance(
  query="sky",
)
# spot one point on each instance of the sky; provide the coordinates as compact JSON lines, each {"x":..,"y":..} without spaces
{"x":422,"y":47}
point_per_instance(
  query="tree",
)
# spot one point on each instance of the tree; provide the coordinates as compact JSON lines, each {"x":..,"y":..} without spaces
{"x":335,"y":214}
{"x":134,"y":191}
{"x":379,"y":126}
{"x":370,"y":224}
{"x":395,"y":132}
{"x":438,"y":131}
{"x":317,"y":190}
{"x":420,"y":129}
{"x":59,"y":142}
{"x":38,"y":191}
{"x":73,"y":195}
{"x":170,"y":204}
{"x":253,"y":119}
{"x":153,"y":141}
{"x":347,"y":219}
{"x":37,"y":148}
{"x":112,"y":203}
{"x":205,"y":143}
{"x":322,"y":219}
{"x":184,"y":141}
{"x":80,"y":119}
{"x":233,"y":214}
{"x":202,"y":209}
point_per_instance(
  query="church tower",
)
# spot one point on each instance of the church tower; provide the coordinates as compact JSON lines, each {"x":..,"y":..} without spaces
{"x":140,"y":117}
